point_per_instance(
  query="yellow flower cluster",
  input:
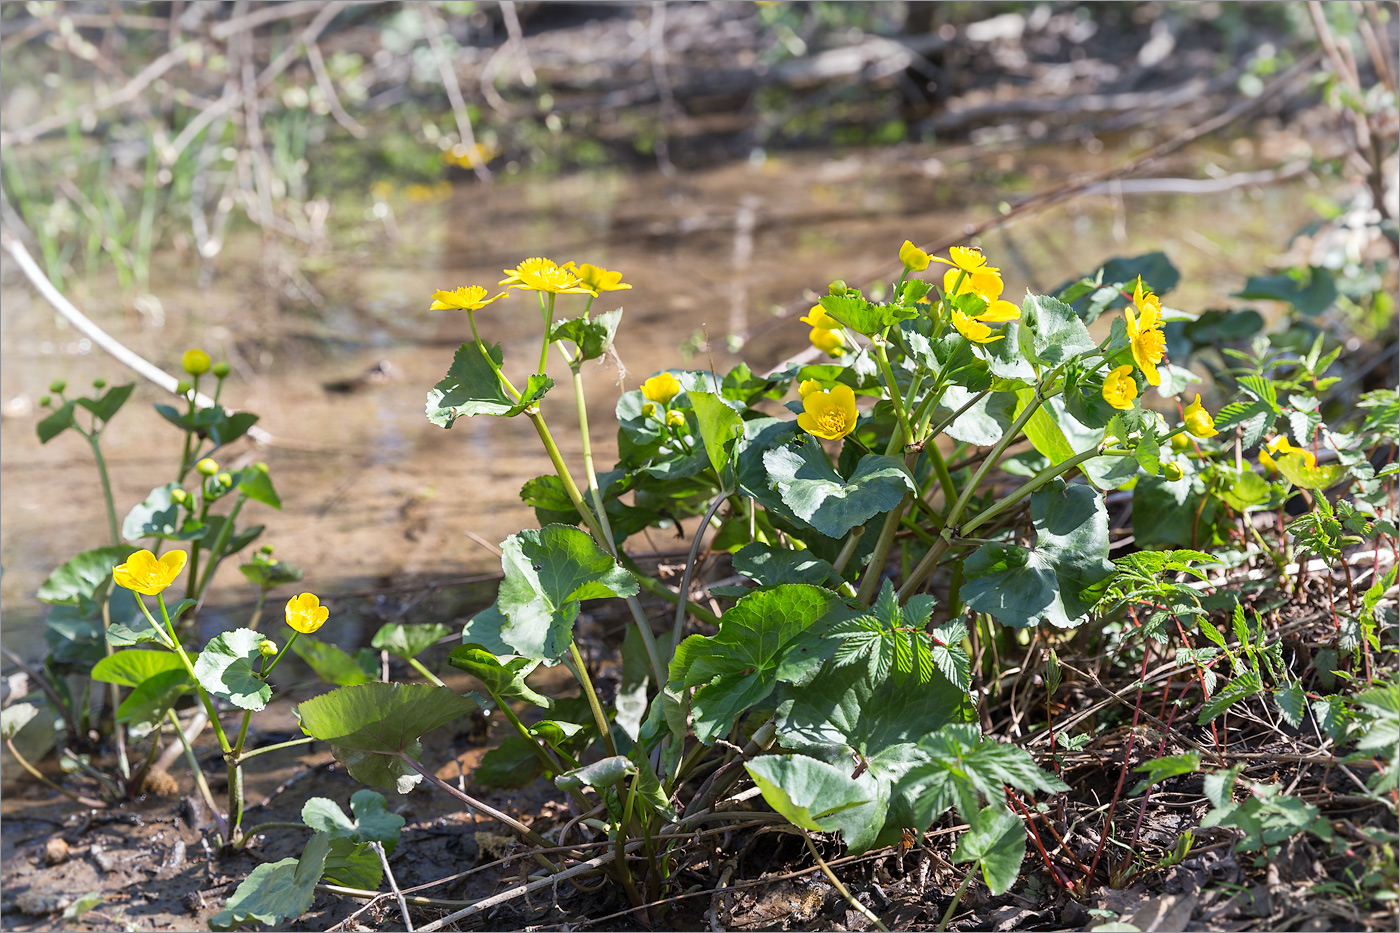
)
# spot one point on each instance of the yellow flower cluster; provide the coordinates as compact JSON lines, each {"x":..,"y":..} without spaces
{"x":1145,"y":335}
{"x":534,"y":274}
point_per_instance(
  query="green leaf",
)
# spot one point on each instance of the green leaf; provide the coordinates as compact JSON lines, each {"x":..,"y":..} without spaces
{"x":159,"y":516}
{"x":1055,"y":581}
{"x":372,"y":822}
{"x":767,"y":636}
{"x":80,"y":577}
{"x":1242,"y":685}
{"x":771,"y":566}
{"x":996,"y":841}
{"x":353,"y":865}
{"x":145,"y":706}
{"x":817,"y":494}
{"x":504,"y":681}
{"x":961,"y":767}
{"x":82,"y":905}
{"x":276,"y":892}
{"x":267,"y":574}
{"x":864,"y":317}
{"x":54,"y":424}
{"x":129,"y":668}
{"x":1042,"y":431}
{"x":472,"y":388}
{"x":255,"y":483}
{"x":329,"y":663}
{"x":1159,"y":769}
{"x":1291,"y":702}
{"x":409,"y":641}
{"x":105,"y":406}
{"x":547,"y":573}
{"x":808,"y":793}
{"x":1311,"y":290}
{"x":720,"y":426}
{"x":985,"y":422}
{"x":600,"y":774}
{"x":1294,"y":465}
{"x":380,"y":718}
{"x":228,"y":666}
{"x":1059,"y":333}
{"x":594,"y":338}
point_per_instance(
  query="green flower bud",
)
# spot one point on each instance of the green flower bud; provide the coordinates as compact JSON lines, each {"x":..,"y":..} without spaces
{"x":225,"y":478}
{"x":265,"y":549}
{"x":648,"y":409}
{"x":221,"y":370}
{"x":675,"y":419}
{"x":1173,"y":471}
{"x":267,"y":647}
{"x":206,"y":467}
{"x":838,"y":287}
{"x":179,"y":496}
{"x":99,"y":383}
{"x":57,"y":386}
{"x":1180,"y":442}
{"x":195,"y":362}
{"x":45,"y":401}
{"x":182,"y":388}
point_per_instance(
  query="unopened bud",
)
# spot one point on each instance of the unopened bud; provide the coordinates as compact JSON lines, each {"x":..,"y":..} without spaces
{"x":837,"y":287}
{"x":99,"y":383}
{"x":45,"y":401}
{"x":1180,"y":442}
{"x":57,"y":386}
{"x":675,"y":419}
{"x":265,"y":549}
{"x":648,"y":409}
{"x":182,"y":388}
{"x":267,"y":647}
{"x":179,"y":496}
{"x":221,"y":370}
{"x":1173,"y":471}
{"x":207,"y":467}
{"x":225,"y":478}
{"x":195,"y":362}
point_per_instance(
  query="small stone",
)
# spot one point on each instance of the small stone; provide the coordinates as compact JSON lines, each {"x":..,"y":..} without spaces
{"x":193,"y":901}
{"x":55,"y":851}
{"x":39,"y":903}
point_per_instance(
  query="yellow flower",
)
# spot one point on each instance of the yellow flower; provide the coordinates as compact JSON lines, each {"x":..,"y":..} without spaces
{"x":1145,"y":333}
{"x":818,"y":318}
{"x":966,"y":258}
{"x":1119,"y":389}
{"x":830,"y":342}
{"x":808,"y":386}
{"x":1198,"y":421}
{"x":986,"y":285}
{"x":661,"y":388}
{"x":913,"y":258}
{"x":147,"y":574}
{"x":1280,"y":446}
{"x":542,"y":275}
{"x":463,"y":298}
{"x":306,"y":614}
{"x":975,"y":331}
{"x":597,"y":278}
{"x":831,"y":415}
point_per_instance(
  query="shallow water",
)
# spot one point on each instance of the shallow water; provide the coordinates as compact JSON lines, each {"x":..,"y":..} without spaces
{"x":377,"y":498}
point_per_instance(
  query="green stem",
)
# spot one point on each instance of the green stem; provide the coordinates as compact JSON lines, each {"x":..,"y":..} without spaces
{"x":551,"y":766}
{"x":679,"y":627}
{"x":199,"y":780}
{"x":548,"y":311}
{"x":418,"y":666}
{"x":267,"y":672}
{"x":509,"y":387}
{"x":216,"y":550}
{"x":1034,"y":483}
{"x":848,"y":549}
{"x":599,"y":717}
{"x":562,"y":470}
{"x":189,"y":669}
{"x":657,"y":588}
{"x":860,"y":908}
{"x":957,"y":899}
{"x":895,"y":398}
{"x":258,"y":609}
{"x":992,"y":458}
{"x":274,"y":748}
{"x":940,"y":469}
{"x":94,"y":442}
{"x":876,"y":564}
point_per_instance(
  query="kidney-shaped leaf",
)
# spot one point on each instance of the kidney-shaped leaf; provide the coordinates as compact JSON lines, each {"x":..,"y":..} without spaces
{"x":372,"y":822}
{"x":80,"y":577}
{"x":1054,"y":580}
{"x":129,"y":668}
{"x":472,"y":388}
{"x":547,"y":572}
{"x":386,"y":719}
{"x":408,"y":641}
{"x":818,"y":495}
{"x":276,"y":892}
{"x":807,"y":792}
{"x":228,"y":666}
{"x":765,"y":637}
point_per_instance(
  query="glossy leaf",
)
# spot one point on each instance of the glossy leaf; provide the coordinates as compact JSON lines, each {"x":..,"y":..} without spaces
{"x":720,"y":426}
{"x":503,"y":680}
{"x":472,"y":388}
{"x":330,"y":663}
{"x":228,"y":666}
{"x":276,"y":892}
{"x":817,"y":494}
{"x":129,"y":668}
{"x":81,"y":576}
{"x":808,"y":793}
{"x":372,"y":821}
{"x":1056,"y":580}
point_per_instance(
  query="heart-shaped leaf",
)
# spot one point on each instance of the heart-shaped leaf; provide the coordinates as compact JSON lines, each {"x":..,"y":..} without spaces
{"x":817,"y":494}
{"x":409,"y":641}
{"x":160,"y":517}
{"x":1059,"y":333}
{"x":372,"y":821}
{"x":808,"y":793}
{"x":330,"y":663}
{"x":1054,"y":581}
{"x":472,"y":388}
{"x":765,"y":637}
{"x":547,"y":573}
{"x":594,"y":337}
{"x":384,"y":719}
{"x":81,"y":576}
{"x":129,"y":668}
{"x":228,"y":666}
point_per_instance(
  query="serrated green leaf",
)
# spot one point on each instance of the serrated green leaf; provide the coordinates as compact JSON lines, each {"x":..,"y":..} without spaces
{"x":593,"y":337}
{"x":816,"y":493}
{"x":1159,"y":769}
{"x":228,"y":666}
{"x":471,"y":388}
{"x":720,"y":426}
{"x":1300,"y":472}
{"x":1059,"y":333}
{"x":1056,"y":580}
{"x":255,"y":483}
{"x":996,"y":841}
{"x":504,"y":681}
{"x":547,"y":573}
